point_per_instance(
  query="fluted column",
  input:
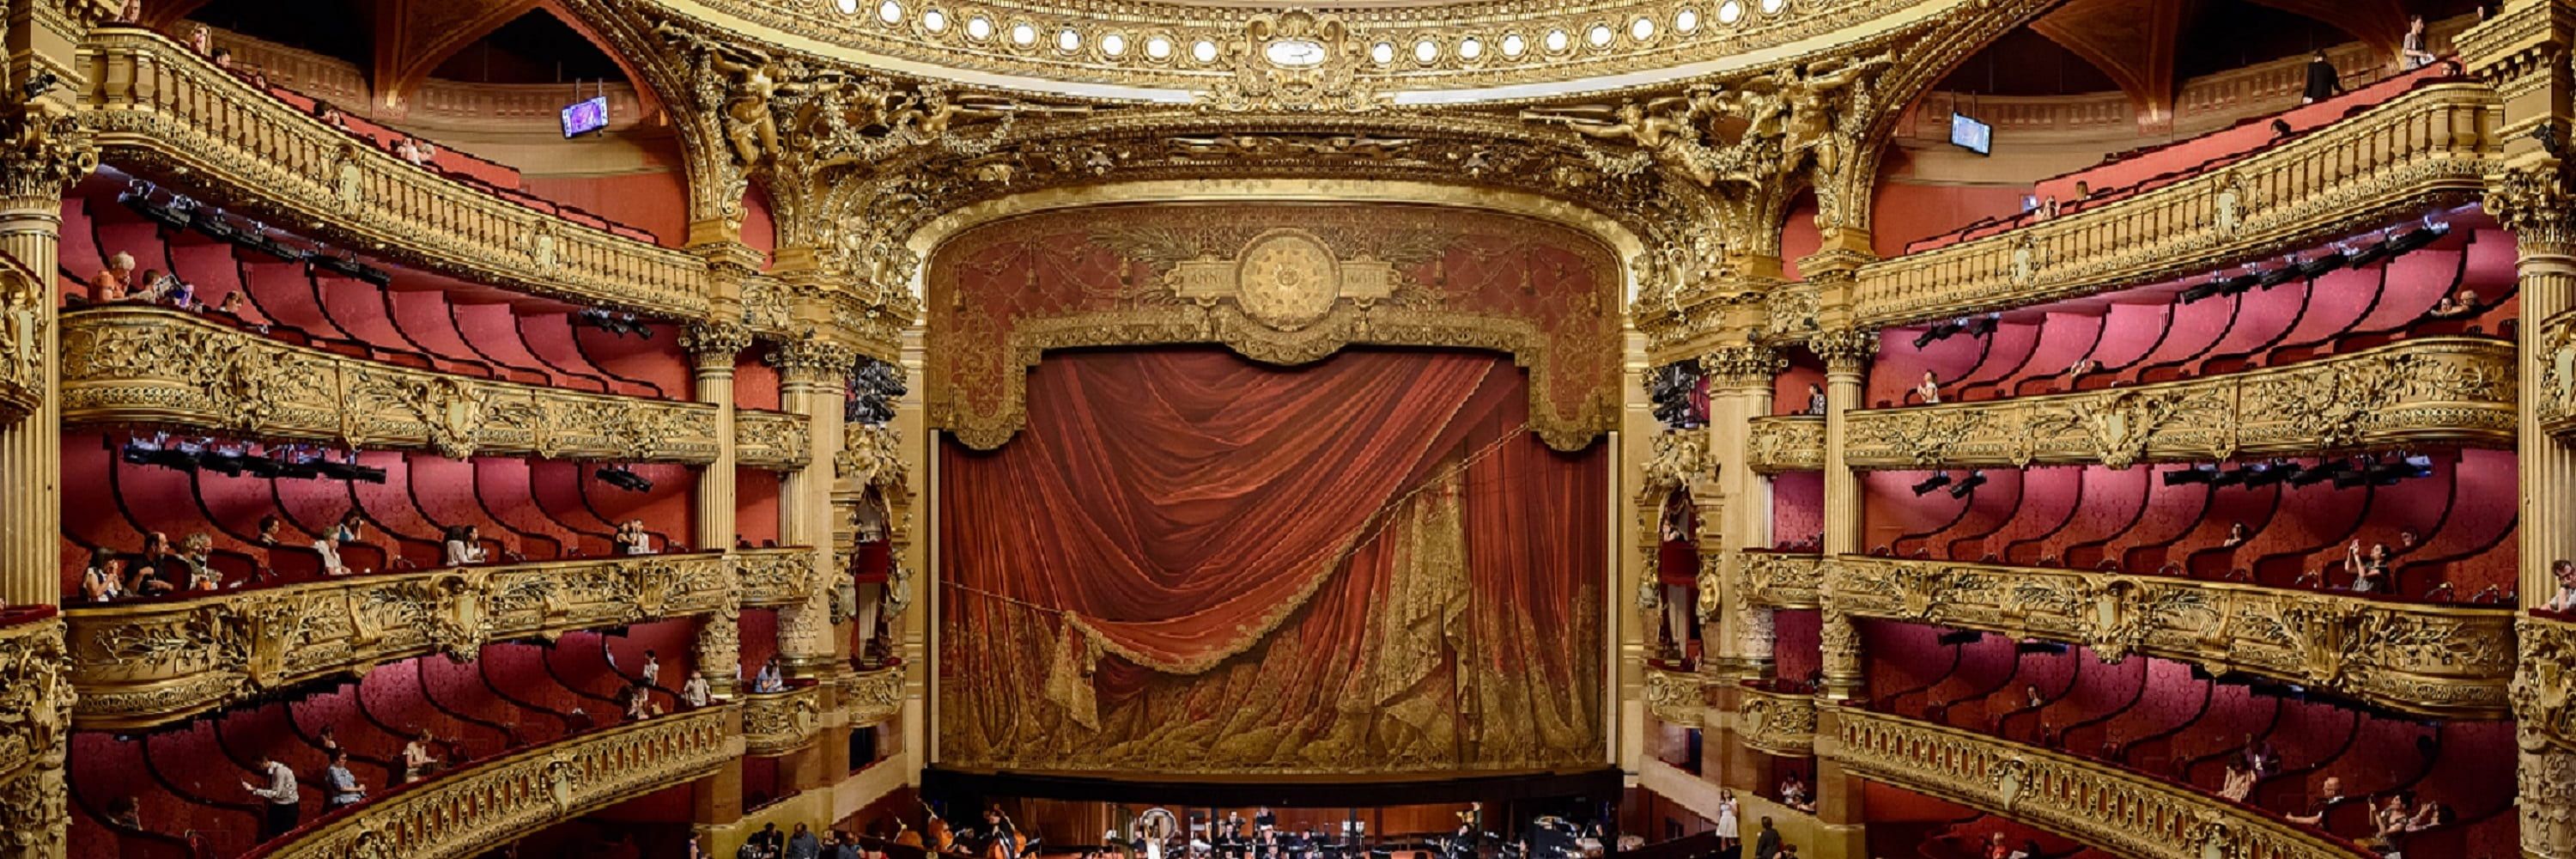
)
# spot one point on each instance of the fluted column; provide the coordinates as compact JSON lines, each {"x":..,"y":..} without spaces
{"x":1739,"y":390}
{"x":713,"y":349}
{"x":813,"y":373}
{"x":1847,"y":354}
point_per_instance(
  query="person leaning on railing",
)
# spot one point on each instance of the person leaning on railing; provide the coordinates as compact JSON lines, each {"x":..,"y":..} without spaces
{"x":2565,"y":599}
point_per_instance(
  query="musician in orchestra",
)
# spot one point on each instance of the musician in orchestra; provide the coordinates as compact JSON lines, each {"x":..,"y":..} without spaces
{"x":1263,"y":820}
{"x":999,"y":831}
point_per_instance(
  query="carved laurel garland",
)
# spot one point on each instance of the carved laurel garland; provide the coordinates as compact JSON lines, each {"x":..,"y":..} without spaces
{"x":1786,"y":443}
{"x":2451,"y":661}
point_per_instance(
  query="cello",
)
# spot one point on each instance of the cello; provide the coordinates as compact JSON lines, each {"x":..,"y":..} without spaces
{"x":935,"y":835}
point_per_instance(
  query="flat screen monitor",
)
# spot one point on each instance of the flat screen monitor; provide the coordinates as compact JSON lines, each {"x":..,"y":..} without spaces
{"x":584,"y":117}
{"x":1972,"y":135}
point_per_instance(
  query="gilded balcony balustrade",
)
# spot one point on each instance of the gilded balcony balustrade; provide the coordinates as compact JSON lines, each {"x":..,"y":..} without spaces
{"x":2099,"y":805}
{"x":2430,"y":390}
{"x":775,"y":577}
{"x":1783,"y":579}
{"x":1787,"y":443}
{"x":491,"y":803}
{"x":162,"y":111}
{"x":2427,"y":148}
{"x":870,"y":697}
{"x":2434,"y":659}
{"x":1675,"y":697}
{"x":144,"y":663}
{"x":778,"y":441}
{"x":1777,"y":723}
{"x":142,"y":365}
{"x":775,"y":723}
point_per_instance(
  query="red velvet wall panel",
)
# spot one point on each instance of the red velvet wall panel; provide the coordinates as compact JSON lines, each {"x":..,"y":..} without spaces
{"x":1797,"y":507}
{"x":755,"y":517}
{"x":655,"y":200}
{"x":1797,"y":636}
{"x":1903,"y":211}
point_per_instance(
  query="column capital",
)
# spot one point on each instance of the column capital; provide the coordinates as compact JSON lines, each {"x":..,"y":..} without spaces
{"x":43,"y":150}
{"x":1847,"y":350}
{"x":812,"y":358}
{"x":714,"y":345}
{"x":2534,"y":200}
{"x":1742,"y":365}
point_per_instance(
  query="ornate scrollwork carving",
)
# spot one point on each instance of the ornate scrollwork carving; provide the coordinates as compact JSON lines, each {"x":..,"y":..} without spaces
{"x":2097,"y":804}
{"x":1783,"y":580}
{"x":2415,"y":657}
{"x":1675,"y":697}
{"x":144,"y":664}
{"x":776,"y":440}
{"x":1680,"y":459}
{"x":1775,"y":723}
{"x":775,"y":577}
{"x":812,"y":358}
{"x":35,"y":699}
{"x":26,"y":324}
{"x":2546,"y":686}
{"x":870,"y":697}
{"x":873,"y":456}
{"x":1845,"y":350}
{"x":131,"y":364}
{"x":1786,"y":443}
{"x":715,"y":345}
{"x":2452,"y":389}
{"x":44,"y":148}
{"x":779,"y":722}
{"x":1742,"y":366}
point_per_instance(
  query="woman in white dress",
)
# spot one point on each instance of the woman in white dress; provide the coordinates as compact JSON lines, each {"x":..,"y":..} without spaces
{"x":1729,"y":829}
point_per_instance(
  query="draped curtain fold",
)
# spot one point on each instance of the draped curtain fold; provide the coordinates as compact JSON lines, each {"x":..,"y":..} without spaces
{"x":1191,"y":561}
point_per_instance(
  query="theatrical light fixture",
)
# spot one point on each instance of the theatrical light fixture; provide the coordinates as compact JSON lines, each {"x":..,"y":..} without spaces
{"x":40,"y":83}
{"x":2411,"y":239}
{"x":2279,"y":276}
{"x":2033,"y":645}
{"x":2325,"y":262}
{"x":2268,"y":473}
{"x":2193,"y":474}
{"x":1974,"y":479}
{"x":1937,"y":480}
{"x":621,"y":478}
{"x":618,"y":324}
{"x":211,"y":221}
{"x":1958,"y":637}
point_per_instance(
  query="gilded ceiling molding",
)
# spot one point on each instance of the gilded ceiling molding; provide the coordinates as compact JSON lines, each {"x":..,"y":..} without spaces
{"x":2094,"y":803}
{"x":126,"y":365}
{"x":493,"y":802}
{"x":2422,"y":150}
{"x":2424,"y":390}
{"x":142,"y":664}
{"x":1279,"y":282}
{"x":1786,"y":443}
{"x":775,"y":723}
{"x":777,"y":441}
{"x":2435,"y":659}
{"x":1774,"y":723}
{"x":169,"y":112}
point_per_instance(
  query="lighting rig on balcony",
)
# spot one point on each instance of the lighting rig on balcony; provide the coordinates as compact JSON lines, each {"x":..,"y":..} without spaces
{"x":2393,"y":241}
{"x":1674,"y":388}
{"x":1973,"y":326}
{"x":873,"y":389}
{"x":177,"y":211}
{"x":615,"y":323}
{"x":621,"y":477}
{"x":236,"y":458}
{"x":1937,"y":480}
{"x":1959,"y":637}
{"x":2375,"y":470}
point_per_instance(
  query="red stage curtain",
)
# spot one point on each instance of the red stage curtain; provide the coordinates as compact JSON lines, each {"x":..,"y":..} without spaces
{"x":1167,"y":511}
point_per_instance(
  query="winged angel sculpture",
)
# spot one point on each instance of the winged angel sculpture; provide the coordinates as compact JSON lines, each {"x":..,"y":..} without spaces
{"x":1790,"y":118}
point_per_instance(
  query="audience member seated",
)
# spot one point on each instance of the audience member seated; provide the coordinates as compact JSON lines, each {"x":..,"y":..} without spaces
{"x":2239,"y":783}
{"x":464,"y":545}
{"x":197,"y":553}
{"x":2565,"y":599}
{"x":1815,"y":399}
{"x":632,"y":539}
{"x":125,"y":812}
{"x":417,"y":760}
{"x":104,"y":579}
{"x":695,"y":692}
{"x":340,"y":787}
{"x":151,"y":575}
{"x":1793,"y":793}
{"x":113,"y":282}
{"x":769,"y":679}
{"x":329,"y":545}
{"x":1930,"y":391}
{"x":415,"y":150}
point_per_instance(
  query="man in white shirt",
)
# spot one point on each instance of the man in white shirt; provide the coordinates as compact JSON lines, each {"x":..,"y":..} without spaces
{"x":285,"y":805}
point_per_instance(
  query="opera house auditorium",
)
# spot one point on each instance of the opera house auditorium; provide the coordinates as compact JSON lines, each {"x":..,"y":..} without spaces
{"x":1226,"y":429}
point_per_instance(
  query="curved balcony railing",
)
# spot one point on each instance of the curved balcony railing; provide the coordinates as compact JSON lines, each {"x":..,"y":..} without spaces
{"x":1787,"y":443}
{"x":137,"y":364}
{"x":775,"y":723}
{"x":2103,"y":806}
{"x":872,"y":696}
{"x":2427,"y":147}
{"x":2446,"y":660}
{"x":31,"y":688}
{"x":1676,"y":697}
{"x":1783,"y":579}
{"x":775,"y":577}
{"x":491,"y":803}
{"x":2436,"y":390}
{"x":773,"y":440}
{"x":1777,"y":723}
{"x":152,"y":662}
{"x":161,"y":108}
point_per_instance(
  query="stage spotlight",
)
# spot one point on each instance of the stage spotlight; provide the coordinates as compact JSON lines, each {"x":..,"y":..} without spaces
{"x":211,"y":222}
{"x":1955,"y":638}
{"x":2036,"y":646}
{"x":2208,"y":289}
{"x":1937,"y":480}
{"x":623,"y":479}
{"x":1984,"y":325}
{"x":2310,"y":475}
{"x":2268,"y":473}
{"x":2411,"y":239}
{"x":2324,"y":262}
{"x":1975,"y":479}
{"x":1940,"y":331}
{"x":2279,"y":276}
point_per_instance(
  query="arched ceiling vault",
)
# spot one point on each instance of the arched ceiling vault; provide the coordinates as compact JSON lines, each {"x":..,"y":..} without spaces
{"x":2135,"y":42}
{"x":412,"y":38}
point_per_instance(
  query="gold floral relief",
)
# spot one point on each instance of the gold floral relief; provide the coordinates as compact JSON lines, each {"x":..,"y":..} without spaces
{"x":1277,"y":282}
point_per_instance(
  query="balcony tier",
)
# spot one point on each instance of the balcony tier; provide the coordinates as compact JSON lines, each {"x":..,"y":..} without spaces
{"x":2425,"y":391}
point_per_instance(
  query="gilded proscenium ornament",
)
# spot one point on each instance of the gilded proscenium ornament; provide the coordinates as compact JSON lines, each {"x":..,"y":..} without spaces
{"x":2435,"y":659}
{"x":1676,"y":697}
{"x":775,"y":723}
{"x":162,"y":110}
{"x":2544,"y":692}
{"x":813,"y":358}
{"x":2100,"y":805}
{"x":150,"y":663}
{"x":493,"y":802}
{"x":126,"y":365}
{"x":2428,"y":390}
{"x":1775,"y":723}
{"x":35,"y":699}
{"x":2419,"y":151}
{"x":715,"y":345}
{"x":1783,"y":579}
{"x":1786,"y":443}
{"x":781,"y":576}
{"x":779,"y":441}
{"x":2555,"y":402}
{"x":872,"y":455}
{"x":24,"y":326}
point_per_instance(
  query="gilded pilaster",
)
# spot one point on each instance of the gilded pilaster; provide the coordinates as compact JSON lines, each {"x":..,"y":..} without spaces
{"x":1847,"y":353}
{"x":713,"y":348}
{"x":1738,"y":639}
{"x":2523,"y":52}
{"x":813,"y":380}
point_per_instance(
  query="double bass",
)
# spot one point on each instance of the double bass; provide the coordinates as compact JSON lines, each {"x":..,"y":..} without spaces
{"x":935,"y":835}
{"x":1004,"y":840}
